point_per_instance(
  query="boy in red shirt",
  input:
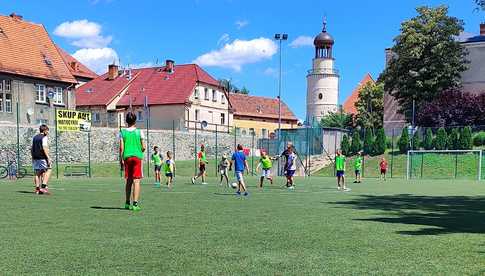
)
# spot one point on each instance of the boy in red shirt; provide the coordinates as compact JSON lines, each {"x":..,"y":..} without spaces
{"x":383,"y":166}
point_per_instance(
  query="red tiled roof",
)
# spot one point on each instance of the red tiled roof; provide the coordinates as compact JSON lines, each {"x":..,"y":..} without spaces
{"x":26,"y":49}
{"x":160,"y":86}
{"x":349,"y":105}
{"x":76,"y":68}
{"x":255,"y":106}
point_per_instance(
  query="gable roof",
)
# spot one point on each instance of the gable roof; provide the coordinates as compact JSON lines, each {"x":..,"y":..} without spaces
{"x":76,"y":68}
{"x":256,"y":106}
{"x":27,"y":50}
{"x":160,"y":86}
{"x":349,"y":104}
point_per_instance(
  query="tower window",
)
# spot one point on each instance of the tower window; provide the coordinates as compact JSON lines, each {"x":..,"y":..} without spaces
{"x":320,"y":96}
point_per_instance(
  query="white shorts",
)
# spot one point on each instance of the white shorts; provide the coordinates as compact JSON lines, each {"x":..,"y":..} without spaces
{"x":239,"y":176}
{"x":40,"y":165}
{"x":223,"y":171}
{"x":266,"y":173}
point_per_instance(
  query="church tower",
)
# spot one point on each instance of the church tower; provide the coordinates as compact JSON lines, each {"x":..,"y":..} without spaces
{"x":322,"y":79}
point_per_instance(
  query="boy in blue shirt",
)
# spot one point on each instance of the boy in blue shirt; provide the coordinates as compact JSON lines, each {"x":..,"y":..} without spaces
{"x":240,"y":165}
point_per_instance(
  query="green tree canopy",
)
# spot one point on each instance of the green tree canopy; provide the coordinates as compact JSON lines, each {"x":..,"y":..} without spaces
{"x":466,"y":141}
{"x":345,"y":145}
{"x":427,"y":59}
{"x":454,"y":139}
{"x":368,"y":141}
{"x":403,"y":142}
{"x":356,"y":145}
{"x":337,"y":119}
{"x":370,"y":106}
{"x":428,"y":140}
{"x":441,"y":139}
{"x":380,"y":143}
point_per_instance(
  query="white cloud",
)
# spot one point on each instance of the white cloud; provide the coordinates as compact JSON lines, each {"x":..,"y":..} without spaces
{"x":271,"y":72}
{"x":141,"y":65}
{"x":302,"y":41}
{"x":223,"y":39}
{"x":83,"y":34}
{"x":241,"y":24}
{"x":234,"y":55}
{"x":96,"y":59}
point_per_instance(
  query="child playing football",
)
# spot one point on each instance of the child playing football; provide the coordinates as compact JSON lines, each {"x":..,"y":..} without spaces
{"x":358,"y":167}
{"x":340,"y":168}
{"x":290,"y":167}
{"x":201,"y":157}
{"x":383,"y":167}
{"x":157,"y":162}
{"x":266,"y":164}
{"x":41,"y":160}
{"x":169,"y":169}
{"x":240,"y":165}
{"x":223,"y":167}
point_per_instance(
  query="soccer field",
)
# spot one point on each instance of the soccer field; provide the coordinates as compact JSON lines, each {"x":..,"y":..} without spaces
{"x":392,"y":228}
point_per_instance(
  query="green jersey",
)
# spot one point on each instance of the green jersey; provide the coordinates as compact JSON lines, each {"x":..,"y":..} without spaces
{"x":266,"y":162}
{"x":202,"y":157}
{"x":168,"y":166}
{"x":157,"y":159}
{"x":358,"y":163}
{"x":132,"y":143}
{"x":340,"y":163}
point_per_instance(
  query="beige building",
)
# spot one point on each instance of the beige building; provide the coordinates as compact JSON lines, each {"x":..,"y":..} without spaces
{"x":180,"y":96}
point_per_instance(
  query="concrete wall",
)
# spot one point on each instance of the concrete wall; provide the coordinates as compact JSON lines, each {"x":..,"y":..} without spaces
{"x":474,"y":78}
{"x":322,"y":89}
{"x":245,"y":125}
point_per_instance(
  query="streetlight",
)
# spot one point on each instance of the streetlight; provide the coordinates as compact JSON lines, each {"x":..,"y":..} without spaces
{"x":280,"y":38}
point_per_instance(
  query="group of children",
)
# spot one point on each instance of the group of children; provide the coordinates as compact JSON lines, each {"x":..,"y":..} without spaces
{"x":167,"y":165}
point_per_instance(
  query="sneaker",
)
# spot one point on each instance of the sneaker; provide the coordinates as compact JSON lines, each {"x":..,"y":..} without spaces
{"x":347,"y":190}
{"x":127,"y":206}
{"x":246,"y":193}
{"x":136,"y":208}
{"x":238,"y":193}
{"x":356,"y":181}
{"x":37,"y":191}
{"x":193,"y":180}
{"x":44,"y":191}
{"x":291,"y":188}
{"x":339,"y":188}
{"x":204,"y":183}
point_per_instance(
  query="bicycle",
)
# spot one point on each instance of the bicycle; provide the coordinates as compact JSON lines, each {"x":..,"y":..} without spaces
{"x":11,"y":168}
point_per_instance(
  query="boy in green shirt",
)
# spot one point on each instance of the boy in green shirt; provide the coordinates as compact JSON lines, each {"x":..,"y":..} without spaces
{"x":266,"y":163}
{"x":340,"y":168}
{"x":132,"y":147}
{"x":358,"y":167}
{"x":169,"y":169}
{"x":157,"y":163}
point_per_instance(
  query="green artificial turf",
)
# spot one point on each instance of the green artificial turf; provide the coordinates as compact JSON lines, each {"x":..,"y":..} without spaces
{"x":396,"y":227}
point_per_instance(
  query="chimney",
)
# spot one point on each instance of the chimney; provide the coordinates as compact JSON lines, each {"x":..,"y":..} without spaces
{"x":16,"y":16}
{"x":112,"y":71}
{"x":482,"y":29}
{"x":169,"y":66}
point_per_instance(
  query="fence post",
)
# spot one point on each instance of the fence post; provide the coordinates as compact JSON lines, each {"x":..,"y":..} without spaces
{"x":18,"y":135}
{"x":195,"y":149}
{"x":456,"y":164}
{"x":173,"y":142}
{"x":235,"y":134}
{"x":392,"y":151}
{"x":89,"y":154}
{"x":57,"y":146}
{"x":252,"y":154}
{"x":119,"y":154}
{"x":217,"y":154}
{"x":147,"y":113}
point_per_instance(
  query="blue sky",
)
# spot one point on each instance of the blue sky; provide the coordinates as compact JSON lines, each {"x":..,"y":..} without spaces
{"x":140,"y":32}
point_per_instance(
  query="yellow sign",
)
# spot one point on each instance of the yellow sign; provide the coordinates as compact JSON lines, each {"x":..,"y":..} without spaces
{"x":72,"y":120}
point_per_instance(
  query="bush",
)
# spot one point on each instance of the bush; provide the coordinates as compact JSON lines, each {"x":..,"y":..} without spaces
{"x":466,"y":142}
{"x":416,"y":142}
{"x":441,"y":139}
{"x":454,"y":139}
{"x":345,"y":145}
{"x":479,"y":139}
{"x":428,"y":140}
{"x":389,"y":144}
{"x":356,"y":145}
{"x":368,"y":142}
{"x":380,"y":143}
{"x":403,"y":142}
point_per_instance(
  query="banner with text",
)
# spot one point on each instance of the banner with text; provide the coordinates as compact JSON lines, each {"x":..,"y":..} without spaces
{"x":72,"y":120}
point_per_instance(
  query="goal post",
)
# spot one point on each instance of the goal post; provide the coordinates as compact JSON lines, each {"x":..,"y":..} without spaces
{"x":444,"y":164}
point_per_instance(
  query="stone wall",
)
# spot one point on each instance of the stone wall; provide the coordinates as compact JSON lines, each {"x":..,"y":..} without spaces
{"x":73,"y":146}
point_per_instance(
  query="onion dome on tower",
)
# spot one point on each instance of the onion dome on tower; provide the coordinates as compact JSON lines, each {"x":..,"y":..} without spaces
{"x":323,"y":43}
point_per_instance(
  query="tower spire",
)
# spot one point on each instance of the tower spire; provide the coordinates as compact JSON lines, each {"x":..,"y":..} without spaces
{"x":324,"y":24}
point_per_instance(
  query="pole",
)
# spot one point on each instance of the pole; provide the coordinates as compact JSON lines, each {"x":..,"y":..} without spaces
{"x":195,"y":149}
{"x":217,"y":153}
{"x":252,"y":155}
{"x":120,"y":157}
{"x":89,"y":154}
{"x":422,"y":162}
{"x":456,"y":165}
{"x":147,"y":113}
{"x":335,"y":152}
{"x":414,"y":110}
{"x":173,"y":142}
{"x":480,"y":165}
{"x":407,"y":167}
{"x":57,"y":146}
{"x":18,"y":135}
{"x":392,"y":151}
{"x":279,"y":96}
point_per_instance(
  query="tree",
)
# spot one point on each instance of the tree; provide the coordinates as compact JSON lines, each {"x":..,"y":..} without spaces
{"x":416,"y":144}
{"x":427,"y":59}
{"x":337,"y":119}
{"x":428,"y":140}
{"x":454,"y":139}
{"x":356,"y":145}
{"x":345,"y":145}
{"x":466,"y":141}
{"x":380,"y":144}
{"x":370,"y":106}
{"x":480,"y":4}
{"x":403,"y":142}
{"x":368,"y":142}
{"x":441,"y":139}
{"x":453,"y":108}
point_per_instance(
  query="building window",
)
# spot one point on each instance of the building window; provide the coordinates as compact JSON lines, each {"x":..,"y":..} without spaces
{"x":264,"y":133}
{"x":8,"y":85}
{"x":196,"y":115}
{"x":206,"y":94}
{"x":251,"y":131}
{"x":58,"y":97}
{"x":214,"y":95}
{"x":1,"y":101}
{"x":40,"y":96}
{"x":96,"y":117}
{"x":112,"y":118}
{"x":223,"y":98}
{"x":223,"y":119}
{"x":8,"y":103}
{"x":139,"y":116}
{"x":244,"y":132}
{"x":196,"y":93}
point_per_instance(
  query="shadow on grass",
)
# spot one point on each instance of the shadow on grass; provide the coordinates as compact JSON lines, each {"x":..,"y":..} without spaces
{"x":108,"y":208}
{"x":26,"y":192}
{"x":439,"y":214}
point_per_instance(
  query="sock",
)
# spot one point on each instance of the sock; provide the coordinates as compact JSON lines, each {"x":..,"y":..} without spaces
{"x":37,"y":188}
{"x":135,"y":203}
{"x":44,"y":186}
{"x":127,"y":202}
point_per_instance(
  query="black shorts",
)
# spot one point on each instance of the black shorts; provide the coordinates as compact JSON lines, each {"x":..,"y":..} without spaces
{"x":202,"y":167}
{"x":169,"y":174}
{"x":158,"y":168}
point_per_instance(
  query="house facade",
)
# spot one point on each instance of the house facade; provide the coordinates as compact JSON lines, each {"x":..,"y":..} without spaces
{"x":180,"y":96}
{"x":260,"y":115}
{"x":34,"y":78}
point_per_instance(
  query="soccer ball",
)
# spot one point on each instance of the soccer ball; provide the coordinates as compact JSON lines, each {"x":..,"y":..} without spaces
{"x":234,"y":185}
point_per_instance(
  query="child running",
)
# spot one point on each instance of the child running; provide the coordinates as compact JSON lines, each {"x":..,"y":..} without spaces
{"x":240,"y":165}
{"x":266,"y":163}
{"x":223,"y":167}
{"x":340,"y":168}
{"x":201,"y":157}
{"x":169,"y":169}
{"x":358,"y":167}
{"x":132,"y":147}
{"x":157,"y":163}
{"x":290,"y":167}
{"x":41,"y":160}
{"x":383,"y":166}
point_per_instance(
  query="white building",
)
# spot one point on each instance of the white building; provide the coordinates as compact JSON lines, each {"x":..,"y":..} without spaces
{"x":322,"y":79}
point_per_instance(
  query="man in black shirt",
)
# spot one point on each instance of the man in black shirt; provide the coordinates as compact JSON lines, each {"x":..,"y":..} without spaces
{"x":41,"y":160}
